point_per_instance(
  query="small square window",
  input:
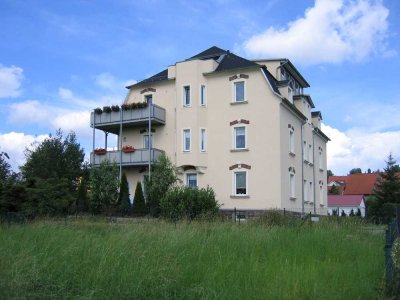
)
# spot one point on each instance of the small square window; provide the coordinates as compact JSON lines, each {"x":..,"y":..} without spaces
{"x":239,"y":91}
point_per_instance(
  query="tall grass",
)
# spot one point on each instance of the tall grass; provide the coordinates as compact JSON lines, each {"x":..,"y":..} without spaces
{"x":157,"y":260}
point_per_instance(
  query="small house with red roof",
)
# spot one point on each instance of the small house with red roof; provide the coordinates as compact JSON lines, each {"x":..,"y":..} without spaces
{"x":346,"y":203}
{"x":354,"y":184}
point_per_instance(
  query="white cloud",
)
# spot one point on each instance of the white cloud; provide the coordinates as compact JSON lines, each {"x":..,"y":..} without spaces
{"x":106,"y":81}
{"x":15,"y":143}
{"x":332,"y":31}
{"x":357,"y":148}
{"x":10,"y":81}
{"x":65,"y":94}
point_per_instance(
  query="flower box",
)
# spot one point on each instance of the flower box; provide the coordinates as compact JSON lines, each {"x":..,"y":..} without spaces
{"x":128,"y":149}
{"x":100,"y":151}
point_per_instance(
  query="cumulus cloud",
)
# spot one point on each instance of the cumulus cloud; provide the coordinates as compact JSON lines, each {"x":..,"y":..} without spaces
{"x":357,"y":148}
{"x":15,"y":143}
{"x":10,"y":81}
{"x":332,"y":31}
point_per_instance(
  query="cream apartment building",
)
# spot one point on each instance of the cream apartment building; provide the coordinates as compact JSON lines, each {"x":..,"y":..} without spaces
{"x":245,"y":128}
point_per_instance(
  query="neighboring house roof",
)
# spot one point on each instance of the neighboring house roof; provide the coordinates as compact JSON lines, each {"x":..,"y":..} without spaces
{"x":345,"y":200}
{"x":357,"y":184}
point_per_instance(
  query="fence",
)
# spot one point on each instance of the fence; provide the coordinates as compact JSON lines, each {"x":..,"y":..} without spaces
{"x":392,"y":233}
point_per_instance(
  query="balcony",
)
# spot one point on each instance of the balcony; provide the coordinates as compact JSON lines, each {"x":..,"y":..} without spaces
{"x":138,"y":158}
{"x":110,"y":121}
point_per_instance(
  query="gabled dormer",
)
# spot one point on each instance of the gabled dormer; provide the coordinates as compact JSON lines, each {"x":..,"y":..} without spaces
{"x":316,"y":119}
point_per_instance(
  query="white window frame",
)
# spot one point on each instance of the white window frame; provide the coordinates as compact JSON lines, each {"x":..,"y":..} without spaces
{"x":234,"y":182}
{"x":290,"y":94}
{"x":201,"y":141}
{"x":310,"y":154}
{"x":184,"y":96}
{"x":292,"y":185}
{"x":291,"y":141}
{"x":321,"y":195}
{"x":184,"y":142}
{"x":321,"y":163}
{"x":305,"y":151}
{"x":187,"y":179}
{"x":305,"y":187}
{"x":203,"y":95}
{"x":311,"y":192}
{"x":234,"y":91}
{"x":234,"y":128}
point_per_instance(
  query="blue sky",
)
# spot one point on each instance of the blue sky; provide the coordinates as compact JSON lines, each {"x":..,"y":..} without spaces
{"x":60,"y":59}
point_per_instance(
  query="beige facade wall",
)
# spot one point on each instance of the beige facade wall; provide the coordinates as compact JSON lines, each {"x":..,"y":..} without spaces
{"x":268,"y":147}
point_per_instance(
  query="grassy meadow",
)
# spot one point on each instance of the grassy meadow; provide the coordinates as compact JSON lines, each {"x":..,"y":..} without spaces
{"x":86,"y":259}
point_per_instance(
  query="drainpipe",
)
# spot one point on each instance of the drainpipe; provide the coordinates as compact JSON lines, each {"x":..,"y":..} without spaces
{"x":313,"y":158}
{"x":94,"y":134}
{"x":120,"y":142}
{"x":149,"y":104}
{"x":302,"y":168}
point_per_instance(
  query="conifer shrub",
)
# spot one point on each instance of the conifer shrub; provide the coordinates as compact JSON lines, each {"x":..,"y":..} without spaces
{"x":139,"y":205}
{"x":124,"y":203}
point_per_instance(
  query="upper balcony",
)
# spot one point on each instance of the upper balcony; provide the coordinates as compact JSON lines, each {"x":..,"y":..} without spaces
{"x":111,"y":121}
{"x":140,"y":157}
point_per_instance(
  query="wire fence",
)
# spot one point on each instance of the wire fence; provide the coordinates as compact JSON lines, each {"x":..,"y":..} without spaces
{"x":392,"y":274}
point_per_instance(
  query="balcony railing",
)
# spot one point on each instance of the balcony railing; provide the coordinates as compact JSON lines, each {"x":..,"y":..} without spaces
{"x":111,"y":121}
{"x":138,"y":158}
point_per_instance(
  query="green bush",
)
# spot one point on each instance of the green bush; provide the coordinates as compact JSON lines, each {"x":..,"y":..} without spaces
{"x":124,"y":203}
{"x":186,"y":202}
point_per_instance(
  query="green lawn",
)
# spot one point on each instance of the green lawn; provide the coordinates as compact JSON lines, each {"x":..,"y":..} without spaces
{"x":156,"y":260}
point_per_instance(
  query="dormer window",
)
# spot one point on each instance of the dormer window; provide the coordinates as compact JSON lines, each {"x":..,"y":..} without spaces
{"x":283,"y":74}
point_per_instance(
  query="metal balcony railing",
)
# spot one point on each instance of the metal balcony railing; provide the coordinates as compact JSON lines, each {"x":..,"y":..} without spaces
{"x":140,"y":157}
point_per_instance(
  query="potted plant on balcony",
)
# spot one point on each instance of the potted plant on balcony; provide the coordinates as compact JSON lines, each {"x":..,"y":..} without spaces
{"x":106,"y":109}
{"x":98,"y":111}
{"x":115,"y":108}
{"x":128,"y":149}
{"x":126,"y":106}
{"x":100,"y":151}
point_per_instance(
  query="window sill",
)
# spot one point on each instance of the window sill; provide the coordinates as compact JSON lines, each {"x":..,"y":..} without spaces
{"x":186,"y":106}
{"x":239,"y":102}
{"x":186,"y":151}
{"x":292,"y":198}
{"x":240,"y":150}
{"x":310,"y":163}
{"x":240,"y":197}
{"x":321,"y":170}
{"x":306,"y":161}
{"x":292,"y":154}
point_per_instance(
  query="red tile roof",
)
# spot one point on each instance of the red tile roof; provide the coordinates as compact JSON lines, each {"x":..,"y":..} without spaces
{"x":344,"y":200}
{"x":357,"y":184}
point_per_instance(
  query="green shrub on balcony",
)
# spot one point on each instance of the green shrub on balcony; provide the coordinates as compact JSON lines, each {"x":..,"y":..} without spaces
{"x":115,"y":108}
{"x":98,"y":110}
{"x":106,"y":109}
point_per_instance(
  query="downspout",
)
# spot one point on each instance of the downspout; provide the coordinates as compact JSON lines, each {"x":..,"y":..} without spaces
{"x":313,"y":158}
{"x":302,"y":169}
{"x":149,"y":104}
{"x":94,"y":135}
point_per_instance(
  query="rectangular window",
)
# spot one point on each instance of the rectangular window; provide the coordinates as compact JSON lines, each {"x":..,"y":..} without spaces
{"x":240,"y":184}
{"x":321,"y":164}
{"x":292,"y":185}
{"x":148,"y":99}
{"x":203,"y":140}
{"x":305,"y":151}
{"x":239,"y":91}
{"x":146,"y":141}
{"x":240,"y":137}
{"x":186,"y":95}
{"x":203,"y":95}
{"x":305,"y":190}
{"x":186,"y":140}
{"x":291,"y":141}
{"x":310,"y":154}
{"x":290,"y":94}
{"x":321,"y":195}
{"x":311,"y":192}
{"x":191,"y":180}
